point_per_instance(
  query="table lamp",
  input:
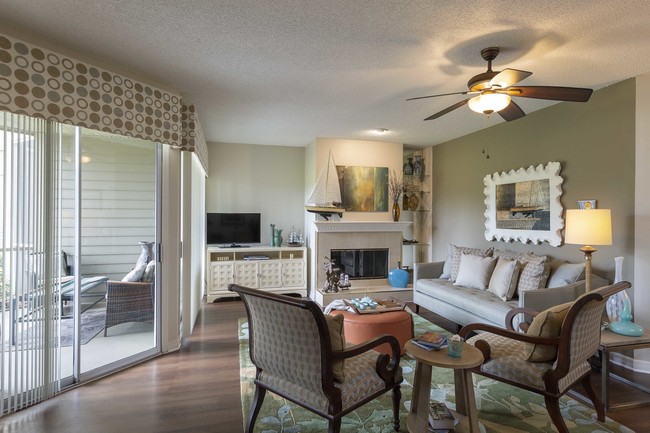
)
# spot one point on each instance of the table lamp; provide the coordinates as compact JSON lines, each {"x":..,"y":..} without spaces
{"x":588,"y":227}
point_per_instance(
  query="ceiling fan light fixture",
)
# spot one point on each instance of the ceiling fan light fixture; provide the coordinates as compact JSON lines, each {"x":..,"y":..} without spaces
{"x":488,"y":103}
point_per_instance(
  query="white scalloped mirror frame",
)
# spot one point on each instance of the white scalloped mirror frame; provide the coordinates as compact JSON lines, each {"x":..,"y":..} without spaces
{"x":494,"y":230}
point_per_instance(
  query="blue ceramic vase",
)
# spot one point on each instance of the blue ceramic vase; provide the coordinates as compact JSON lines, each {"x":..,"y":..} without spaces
{"x":398,"y":277}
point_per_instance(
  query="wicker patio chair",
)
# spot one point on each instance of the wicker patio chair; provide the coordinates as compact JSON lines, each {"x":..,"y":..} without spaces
{"x":553,"y":362}
{"x":128,"y":302}
{"x":296,"y":355}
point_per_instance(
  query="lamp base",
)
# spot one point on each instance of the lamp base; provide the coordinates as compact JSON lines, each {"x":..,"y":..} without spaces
{"x":626,"y":328}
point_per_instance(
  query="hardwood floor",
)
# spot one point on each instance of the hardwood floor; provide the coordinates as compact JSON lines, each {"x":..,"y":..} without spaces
{"x":190,"y":391}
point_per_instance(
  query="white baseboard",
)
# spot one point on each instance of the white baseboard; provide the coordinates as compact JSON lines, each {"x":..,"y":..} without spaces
{"x":636,"y":365}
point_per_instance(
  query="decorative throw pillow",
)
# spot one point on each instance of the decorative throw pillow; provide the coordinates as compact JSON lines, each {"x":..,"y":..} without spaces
{"x":457,"y":252}
{"x":337,"y":338}
{"x":566,"y":273}
{"x":149,"y":272}
{"x":446,"y":268}
{"x":504,"y":279}
{"x":474,"y":271}
{"x":136,"y":273}
{"x":534,"y":272}
{"x":546,"y":324}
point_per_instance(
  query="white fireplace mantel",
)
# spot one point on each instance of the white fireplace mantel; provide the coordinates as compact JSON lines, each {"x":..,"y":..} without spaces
{"x":361,"y":226}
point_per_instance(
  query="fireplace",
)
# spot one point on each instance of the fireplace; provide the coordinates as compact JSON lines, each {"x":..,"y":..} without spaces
{"x":361,"y":264}
{"x":330,"y":236}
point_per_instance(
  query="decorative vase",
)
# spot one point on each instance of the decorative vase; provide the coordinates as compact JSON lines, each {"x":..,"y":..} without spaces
{"x":396,"y":211}
{"x":406,"y":200}
{"x":272,"y":242}
{"x":408,"y":167}
{"x":414,"y":201}
{"x":418,"y":166}
{"x":398,"y":277}
{"x":616,"y":302}
{"x":619,"y":307}
{"x":277,"y":238}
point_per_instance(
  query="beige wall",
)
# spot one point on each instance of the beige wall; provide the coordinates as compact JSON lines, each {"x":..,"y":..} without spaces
{"x":594,"y":143}
{"x":253,"y":178}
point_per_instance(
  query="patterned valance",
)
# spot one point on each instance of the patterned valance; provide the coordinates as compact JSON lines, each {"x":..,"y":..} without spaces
{"x":42,"y":83}
{"x":192,"y":135}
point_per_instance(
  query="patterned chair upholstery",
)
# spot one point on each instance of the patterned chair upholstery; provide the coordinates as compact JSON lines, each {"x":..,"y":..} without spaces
{"x":291,"y":349}
{"x":503,"y":350}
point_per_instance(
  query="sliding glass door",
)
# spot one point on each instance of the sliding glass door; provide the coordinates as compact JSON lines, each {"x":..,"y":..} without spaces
{"x":109,"y":189}
{"x":79,"y":269}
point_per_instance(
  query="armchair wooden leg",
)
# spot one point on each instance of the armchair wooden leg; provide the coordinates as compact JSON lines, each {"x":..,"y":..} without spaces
{"x":598,"y":405}
{"x":553,"y":408}
{"x":334,"y":426}
{"x":397,"y":397}
{"x":255,"y":410}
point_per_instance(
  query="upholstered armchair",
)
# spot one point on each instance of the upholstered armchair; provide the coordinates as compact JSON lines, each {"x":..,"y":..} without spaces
{"x":128,"y":302}
{"x":299,"y":354}
{"x":552,"y":356}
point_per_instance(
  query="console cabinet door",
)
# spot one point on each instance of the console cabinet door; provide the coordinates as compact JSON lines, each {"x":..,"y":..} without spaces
{"x":293,"y":273}
{"x":270,"y":274}
{"x":221,"y":275}
{"x":246,"y":274}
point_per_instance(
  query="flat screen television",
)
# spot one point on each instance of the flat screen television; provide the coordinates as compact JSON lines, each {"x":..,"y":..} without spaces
{"x":233,"y":229}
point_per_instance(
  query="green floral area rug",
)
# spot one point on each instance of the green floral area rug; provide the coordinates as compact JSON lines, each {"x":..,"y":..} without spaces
{"x":502,"y":408}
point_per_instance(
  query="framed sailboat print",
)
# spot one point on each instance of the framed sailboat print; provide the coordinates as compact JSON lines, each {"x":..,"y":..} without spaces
{"x":524,"y":205}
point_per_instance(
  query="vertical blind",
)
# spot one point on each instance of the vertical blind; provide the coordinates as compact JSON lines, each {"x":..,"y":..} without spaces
{"x":30,"y":262}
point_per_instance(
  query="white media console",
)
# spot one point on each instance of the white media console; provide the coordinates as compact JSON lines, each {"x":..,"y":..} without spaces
{"x":276,"y":269}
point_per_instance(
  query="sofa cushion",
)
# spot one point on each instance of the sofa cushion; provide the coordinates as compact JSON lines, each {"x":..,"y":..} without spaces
{"x":503,"y":282}
{"x":482,"y":305}
{"x":337,"y":338}
{"x":457,"y":252}
{"x":546,"y":324}
{"x":475,"y":271}
{"x":566,"y":273}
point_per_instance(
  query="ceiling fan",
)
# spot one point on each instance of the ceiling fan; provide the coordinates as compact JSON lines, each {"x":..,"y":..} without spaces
{"x":494,"y":89}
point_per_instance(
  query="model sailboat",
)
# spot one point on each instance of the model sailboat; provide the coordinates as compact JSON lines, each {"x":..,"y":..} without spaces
{"x":325,"y":199}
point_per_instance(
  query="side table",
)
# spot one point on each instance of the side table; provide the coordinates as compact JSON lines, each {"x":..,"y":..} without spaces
{"x":418,"y":417}
{"x":612,"y":342}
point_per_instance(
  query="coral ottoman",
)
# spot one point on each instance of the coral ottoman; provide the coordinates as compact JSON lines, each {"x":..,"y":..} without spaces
{"x":363,"y":327}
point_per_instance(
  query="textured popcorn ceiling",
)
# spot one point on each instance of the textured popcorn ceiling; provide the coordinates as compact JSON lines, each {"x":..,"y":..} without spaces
{"x":283,"y":72}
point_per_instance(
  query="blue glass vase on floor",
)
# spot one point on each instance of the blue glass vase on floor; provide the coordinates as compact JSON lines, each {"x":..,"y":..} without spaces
{"x":398,"y":277}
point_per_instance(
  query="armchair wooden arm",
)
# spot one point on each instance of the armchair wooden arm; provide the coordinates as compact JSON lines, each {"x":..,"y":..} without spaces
{"x":386,"y":365}
{"x":473,"y":327}
{"x":510,"y":317}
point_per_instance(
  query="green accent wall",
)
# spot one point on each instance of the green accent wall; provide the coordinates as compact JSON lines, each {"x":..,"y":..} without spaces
{"x":595,"y":145}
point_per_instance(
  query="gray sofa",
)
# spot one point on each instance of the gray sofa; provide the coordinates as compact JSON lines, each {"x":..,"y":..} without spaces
{"x":464,"y":305}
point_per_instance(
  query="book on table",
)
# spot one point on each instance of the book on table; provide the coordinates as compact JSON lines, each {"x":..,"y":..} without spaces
{"x":440,"y":417}
{"x":431,"y":341}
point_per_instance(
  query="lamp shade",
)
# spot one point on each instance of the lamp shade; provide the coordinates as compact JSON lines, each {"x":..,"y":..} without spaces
{"x":588,"y":227}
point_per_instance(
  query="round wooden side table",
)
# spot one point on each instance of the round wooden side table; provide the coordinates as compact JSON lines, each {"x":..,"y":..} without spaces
{"x":418,"y":417}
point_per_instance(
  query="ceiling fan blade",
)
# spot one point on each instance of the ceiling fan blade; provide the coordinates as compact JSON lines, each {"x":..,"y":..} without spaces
{"x":442,"y":94}
{"x":572,"y":94}
{"x":511,"y":112}
{"x":448,"y":109}
{"x":509,"y":77}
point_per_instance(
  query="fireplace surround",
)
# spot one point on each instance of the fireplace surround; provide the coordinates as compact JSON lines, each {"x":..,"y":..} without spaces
{"x":356,"y":235}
